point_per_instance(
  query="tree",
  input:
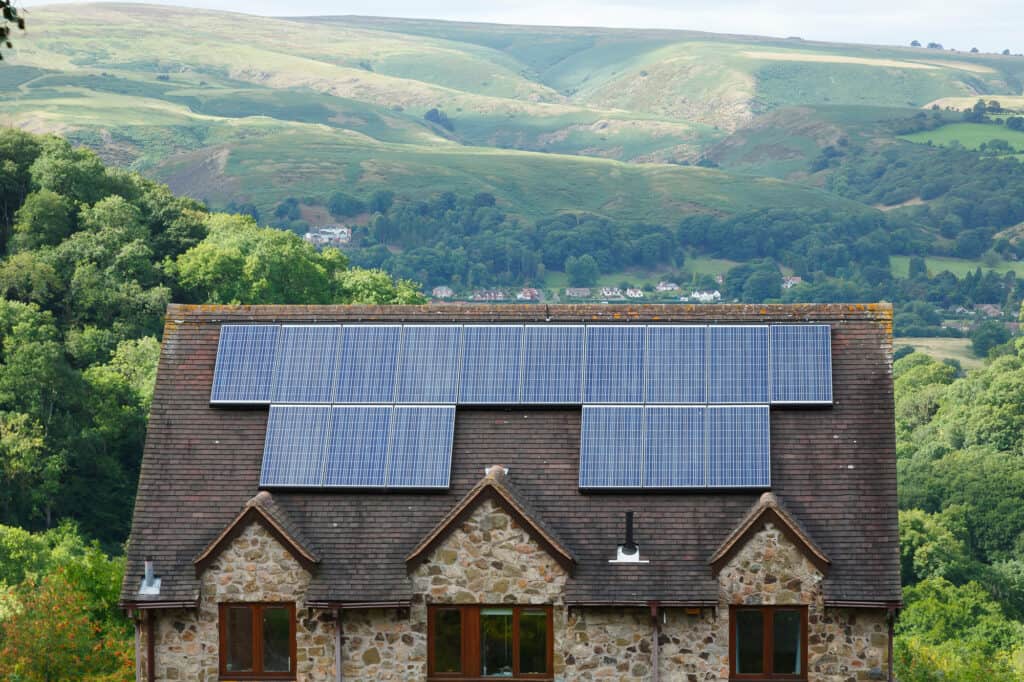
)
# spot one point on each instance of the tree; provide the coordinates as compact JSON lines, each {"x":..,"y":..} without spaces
{"x":11,"y":18}
{"x":915,"y":43}
{"x":440,"y":118}
{"x":77,"y":174}
{"x":381,"y":201}
{"x":1006,"y":52}
{"x":582,"y":271}
{"x":987,"y":335}
{"x":934,"y":46}
{"x":343,"y":205}
{"x":45,"y":218}
{"x":974,"y":50}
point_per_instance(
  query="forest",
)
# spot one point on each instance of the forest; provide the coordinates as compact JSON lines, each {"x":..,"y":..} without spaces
{"x":92,"y":255}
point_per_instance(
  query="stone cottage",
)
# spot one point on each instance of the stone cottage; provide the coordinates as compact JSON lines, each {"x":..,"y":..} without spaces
{"x":533,"y":492}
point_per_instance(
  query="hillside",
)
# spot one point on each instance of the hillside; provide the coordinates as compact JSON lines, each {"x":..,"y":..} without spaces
{"x":229,"y":107}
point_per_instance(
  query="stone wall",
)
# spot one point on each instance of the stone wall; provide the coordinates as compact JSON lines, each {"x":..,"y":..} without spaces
{"x":489,"y":559}
{"x":253,"y":567}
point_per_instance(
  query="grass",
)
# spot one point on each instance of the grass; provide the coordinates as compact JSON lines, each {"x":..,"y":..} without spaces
{"x":970,"y":135}
{"x":900,"y":266}
{"x":942,"y":349}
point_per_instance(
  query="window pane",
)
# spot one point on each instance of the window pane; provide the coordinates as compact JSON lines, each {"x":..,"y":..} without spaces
{"x":749,"y":641}
{"x":786,"y":656}
{"x":238,"y":636}
{"x":496,"y":642}
{"x":448,"y":641}
{"x":277,"y":635}
{"x":533,"y":641}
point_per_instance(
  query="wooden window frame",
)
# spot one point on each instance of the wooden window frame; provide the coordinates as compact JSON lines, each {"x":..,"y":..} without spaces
{"x":257,"y":641}
{"x":471,"y":663}
{"x":768,"y":643}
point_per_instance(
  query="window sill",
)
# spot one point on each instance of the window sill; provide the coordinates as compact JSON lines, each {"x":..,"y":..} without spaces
{"x":261,"y":677}
{"x":453,"y":678}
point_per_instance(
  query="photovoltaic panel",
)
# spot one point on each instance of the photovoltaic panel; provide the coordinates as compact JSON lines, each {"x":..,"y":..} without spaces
{"x":738,"y":447}
{"x":676,"y":367}
{"x":675,"y":447}
{"x":614,"y":370}
{"x":490,"y":364}
{"x":245,"y":363}
{"x":293,"y":452}
{"x":305,"y":369}
{"x":552,"y":365}
{"x":801,"y":363}
{"x":356,"y":454}
{"x":738,"y":364}
{"x":428,"y":368}
{"x":367,"y":364}
{"x":421,"y":446}
{"x":611,"y":446}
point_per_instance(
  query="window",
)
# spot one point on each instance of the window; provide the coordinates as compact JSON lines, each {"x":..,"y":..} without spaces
{"x":768,"y":642}
{"x":257,"y":641}
{"x":499,"y":641}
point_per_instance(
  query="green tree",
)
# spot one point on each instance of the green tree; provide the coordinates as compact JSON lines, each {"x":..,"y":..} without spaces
{"x":77,"y":174}
{"x":45,"y":218}
{"x":343,"y":205}
{"x":988,"y":335}
{"x":582,"y":271}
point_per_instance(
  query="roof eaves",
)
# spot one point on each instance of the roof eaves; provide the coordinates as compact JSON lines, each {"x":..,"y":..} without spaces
{"x":768,"y":509}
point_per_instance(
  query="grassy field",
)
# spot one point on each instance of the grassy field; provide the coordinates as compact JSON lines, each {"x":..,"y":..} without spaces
{"x":231,"y":107}
{"x":900,"y":266}
{"x":970,"y":135}
{"x":942,"y":349}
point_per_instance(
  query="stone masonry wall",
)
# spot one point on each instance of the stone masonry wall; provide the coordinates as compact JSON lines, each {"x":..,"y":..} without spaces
{"x":489,"y":559}
{"x":253,"y":567}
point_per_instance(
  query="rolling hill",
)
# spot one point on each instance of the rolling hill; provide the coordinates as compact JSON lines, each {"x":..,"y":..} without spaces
{"x":230,"y":107}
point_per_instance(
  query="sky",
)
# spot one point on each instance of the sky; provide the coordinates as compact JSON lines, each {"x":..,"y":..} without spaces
{"x":989,"y":25}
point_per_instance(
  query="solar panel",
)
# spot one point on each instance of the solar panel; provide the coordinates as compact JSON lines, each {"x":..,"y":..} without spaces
{"x":245,"y":363}
{"x":429,"y":364}
{"x":738,"y":364}
{"x":676,"y":367}
{"x":611,"y":446}
{"x":306,"y":358}
{"x":367,"y":364}
{"x":674,"y":447}
{"x":738,"y":447}
{"x":801,"y":362}
{"x":357,"y":449}
{"x":293,"y":453}
{"x":615,"y":364}
{"x":490,"y":364}
{"x":420,"y":454}
{"x":552,"y":365}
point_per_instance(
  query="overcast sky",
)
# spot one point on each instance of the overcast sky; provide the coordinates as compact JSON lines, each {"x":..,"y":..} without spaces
{"x":990,"y":25}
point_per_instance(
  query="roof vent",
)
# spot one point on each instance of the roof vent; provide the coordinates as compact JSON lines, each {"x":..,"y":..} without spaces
{"x":150,"y":584}
{"x":628,"y":552}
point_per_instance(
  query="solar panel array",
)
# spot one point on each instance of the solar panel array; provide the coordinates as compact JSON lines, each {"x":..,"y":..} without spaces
{"x":679,"y":446}
{"x":358,"y":446}
{"x":664,"y":406}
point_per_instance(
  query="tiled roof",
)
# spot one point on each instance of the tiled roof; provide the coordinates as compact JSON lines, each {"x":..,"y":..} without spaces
{"x":835,"y":469}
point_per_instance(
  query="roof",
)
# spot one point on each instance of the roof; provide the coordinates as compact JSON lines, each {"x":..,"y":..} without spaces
{"x":834,"y":467}
{"x":261,"y":509}
{"x":495,"y":485}
{"x":768,"y":510}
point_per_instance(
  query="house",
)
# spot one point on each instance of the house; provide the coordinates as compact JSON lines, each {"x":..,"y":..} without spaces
{"x":442,"y":292}
{"x":578,"y":292}
{"x":329,"y":235}
{"x":528,"y":294}
{"x":989,"y":309}
{"x":666,"y":286}
{"x":634,"y":293}
{"x":791,"y":281}
{"x":611,"y":292}
{"x":703,"y":296}
{"x":488,"y":295}
{"x":573,"y":492}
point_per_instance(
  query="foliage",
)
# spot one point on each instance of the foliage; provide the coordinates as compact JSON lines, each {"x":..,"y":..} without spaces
{"x":11,"y":19}
{"x":988,"y":335}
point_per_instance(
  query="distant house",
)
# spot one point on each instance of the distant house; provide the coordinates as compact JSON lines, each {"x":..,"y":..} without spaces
{"x":703,"y":296}
{"x":577,"y":292}
{"x":329,"y":235}
{"x":611,"y":292}
{"x":442,"y":292}
{"x":634,"y":293}
{"x":989,"y":309}
{"x":488,"y":295}
{"x":666,"y":286}
{"x":790,"y":282}
{"x":432,"y":507}
{"x":528,"y":294}
{"x":719,"y":279}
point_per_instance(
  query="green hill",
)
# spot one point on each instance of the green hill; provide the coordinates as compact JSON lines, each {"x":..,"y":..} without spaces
{"x":230,"y":107}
